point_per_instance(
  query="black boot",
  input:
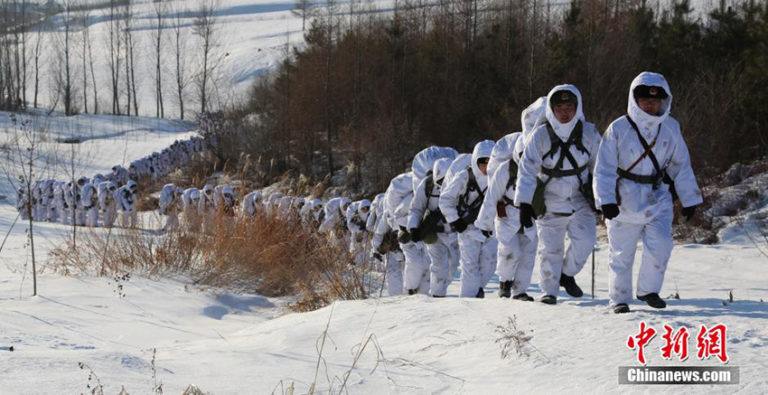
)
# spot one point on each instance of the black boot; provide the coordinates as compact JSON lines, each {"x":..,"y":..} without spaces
{"x":413,"y":291}
{"x":480,"y":293}
{"x":505,"y":289}
{"x":621,"y":308}
{"x":653,"y":300}
{"x":549,"y":299}
{"x":524,"y":297}
{"x":569,"y":283}
{"x":438,"y":296}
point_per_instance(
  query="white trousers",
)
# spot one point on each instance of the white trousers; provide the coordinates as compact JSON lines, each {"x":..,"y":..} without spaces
{"x":440,"y":264}
{"x":580,"y":227}
{"x":516,"y":254}
{"x":394,"y":261}
{"x":416,"y":267}
{"x":477,"y":260}
{"x":657,"y":248}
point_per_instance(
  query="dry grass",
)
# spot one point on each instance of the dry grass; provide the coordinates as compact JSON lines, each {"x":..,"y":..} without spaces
{"x":266,"y":255}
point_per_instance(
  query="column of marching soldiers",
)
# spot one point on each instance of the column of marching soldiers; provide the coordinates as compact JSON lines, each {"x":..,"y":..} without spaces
{"x":510,"y":204}
{"x":98,"y":201}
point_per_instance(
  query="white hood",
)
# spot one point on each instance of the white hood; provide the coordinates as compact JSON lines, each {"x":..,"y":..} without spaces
{"x":563,"y":130}
{"x":648,"y":123}
{"x":460,"y":163}
{"x":482,"y":149}
{"x":398,"y":189}
{"x":440,"y":168}
{"x":345,"y":201}
{"x":533,"y":115}
{"x":502,"y":151}
{"x":365,"y":203}
{"x":425,"y":159}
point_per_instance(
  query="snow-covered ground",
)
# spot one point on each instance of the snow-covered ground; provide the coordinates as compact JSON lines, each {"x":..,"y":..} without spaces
{"x":227,"y":343}
{"x":239,"y":343}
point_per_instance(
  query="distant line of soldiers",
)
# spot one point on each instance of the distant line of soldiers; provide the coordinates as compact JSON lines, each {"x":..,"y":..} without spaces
{"x":97,"y":201}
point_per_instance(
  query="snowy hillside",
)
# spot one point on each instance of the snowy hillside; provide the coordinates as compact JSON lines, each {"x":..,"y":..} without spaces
{"x":229,"y":343}
{"x":240,"y":343}
{"x":250,"y":39}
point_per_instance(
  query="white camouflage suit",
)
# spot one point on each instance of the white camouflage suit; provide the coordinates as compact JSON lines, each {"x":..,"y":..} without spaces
{"x":393,"y":258}
{"x":516,"y":252}
{"x":90,"y":202}
{"x":170,"y":205}
{"x":107,"y":202}
{"x":125,"y":197}
{"x":567,"y":211}
{"x":477,"y":253}
{"x":356,"y":217}
{"x":398,"y":203}
{"x":438,"y":252}
{"x":644,"y":212}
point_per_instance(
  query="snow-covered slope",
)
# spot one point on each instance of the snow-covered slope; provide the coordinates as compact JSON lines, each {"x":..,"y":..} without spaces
{"x":230,"y":343}
{"x":251,"y":37}
{"x":227,"y":343}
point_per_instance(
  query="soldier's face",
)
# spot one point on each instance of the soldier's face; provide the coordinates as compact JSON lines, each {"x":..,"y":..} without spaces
{"x":482,"y":164}
{"x":564,"y":112}
{"x":649,"y":105}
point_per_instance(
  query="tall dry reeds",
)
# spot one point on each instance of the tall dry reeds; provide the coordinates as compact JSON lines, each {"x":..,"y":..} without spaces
{"x":269,"y":255}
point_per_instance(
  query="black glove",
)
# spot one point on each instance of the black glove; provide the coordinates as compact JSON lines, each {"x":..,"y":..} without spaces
{"x":378,"y":257}
{"x":404,"y":237}
{"x":459,"y":225}
{"x":526,"y":215}
{"x":486,"y":233}
{"x":688,"y":212}
{"x":415,"y":236}
{"x":610,"y":211}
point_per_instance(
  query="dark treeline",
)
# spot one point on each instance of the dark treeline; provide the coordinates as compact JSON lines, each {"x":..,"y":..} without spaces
{"x":370,"y":89}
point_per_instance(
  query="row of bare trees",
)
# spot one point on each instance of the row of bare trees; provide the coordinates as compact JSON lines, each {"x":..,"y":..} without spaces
{"x":72,"y":64}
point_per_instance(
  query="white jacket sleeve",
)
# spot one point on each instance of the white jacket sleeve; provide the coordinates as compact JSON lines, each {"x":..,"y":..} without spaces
{"x":679,"y":169}
{"x":382,"y":227}
{"x":606,"y":167}
{"x":530,"y":165}
{"x":593,"y":146}
{"x":328,"y":223}
{"x":497,"y":186}
{"x":402,"y":210}
{"x":450,"y":195}
{"x":370,"y":222}
{"x":418,"y":205}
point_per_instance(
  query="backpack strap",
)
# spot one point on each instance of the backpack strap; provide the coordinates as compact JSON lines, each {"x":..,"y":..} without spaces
{"x":512,"y":173}
{"x":511,"y":182}
{"x":465,"y":206}
{"x":430,"y":187}
{"x":647,"y":152}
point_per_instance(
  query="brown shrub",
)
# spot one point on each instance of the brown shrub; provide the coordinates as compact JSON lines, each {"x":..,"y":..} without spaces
{"x":266,"y":255}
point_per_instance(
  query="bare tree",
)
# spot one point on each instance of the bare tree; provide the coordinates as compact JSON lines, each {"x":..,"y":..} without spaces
{"x":93,"y":79}
{"x":84,"y":16}
{"x":66,"y":79}
{"x":130,"y":75}
{"x":160,"y":10}
{"x":114,"y":53}
{"x":179,"y":48}
{"x":26,"y":159}
{"x":38,"y":41}
{"x":205,"y":29}
{"x":303,"y":9}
